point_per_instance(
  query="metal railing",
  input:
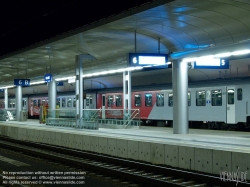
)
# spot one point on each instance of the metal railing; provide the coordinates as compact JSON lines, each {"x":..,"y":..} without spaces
{"x":7,"y":114}
{"x":94,"y":118}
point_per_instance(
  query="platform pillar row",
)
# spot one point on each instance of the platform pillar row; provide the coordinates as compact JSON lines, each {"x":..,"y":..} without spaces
{"x":52,"y":97}
{"x":19,"y":102}
{"x":180,"y":97}
{"x":127,"y":92}
{"x":79,"y":91}
{"x":6,"y":98}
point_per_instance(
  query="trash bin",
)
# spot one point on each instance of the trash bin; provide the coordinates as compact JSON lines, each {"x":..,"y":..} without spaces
{"x":23,"y":116}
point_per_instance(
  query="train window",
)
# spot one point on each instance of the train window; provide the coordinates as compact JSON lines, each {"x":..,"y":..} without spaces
{"x":230,"y":96}
{"x":160,"y":99}
{"x":24,"y":102}
{"x":90,"y":99}
{"x":216,"y":98}
{"x":38,"y":102}
{"x":118,"y":100}
{"x":58,"y":101}
{"x":110,"y":100}
{"x":148,"y":99}
{"x":239,"y":94}
{"x":63,"y":102}
{"x":69,"y":102}
{"x":201,"y":98}
{"x":87,"y":100}
{"x":170,"y":99}
{"x":137,"y":99}
{"x":189,"y":98}
{"x":74,"y":102}
{"x":34,"y":102}
{"x":43,"y":102}
{"x":11,"y":103}
{"x":14,"y":103}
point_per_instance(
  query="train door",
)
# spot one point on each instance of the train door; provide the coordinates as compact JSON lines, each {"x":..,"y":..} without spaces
{"x":25,"y":107}
{"x":103,"y":106}
{"x":231,"y":105}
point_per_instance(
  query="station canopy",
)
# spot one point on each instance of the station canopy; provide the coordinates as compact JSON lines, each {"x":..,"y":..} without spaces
{"x":159,"y":26}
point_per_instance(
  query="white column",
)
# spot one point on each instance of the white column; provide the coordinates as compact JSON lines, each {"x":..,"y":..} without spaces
{"x":6,"y":98}
{"x":180,"y":97}
{"x":129,"y":92}
{"x":52,"y":98}
{"x":124,"y":91}
{"x":19,"y":102}
{"x":77,"y":92}
{"x":80,"y":90}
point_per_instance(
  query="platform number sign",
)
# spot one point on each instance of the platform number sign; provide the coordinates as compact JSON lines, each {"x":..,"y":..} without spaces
{"x":47,"y":78}
{"x":1,"y":90}
{"x":22,"y":82}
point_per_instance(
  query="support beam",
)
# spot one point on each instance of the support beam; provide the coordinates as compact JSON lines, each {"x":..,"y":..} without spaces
{"x":6,"y":98}
{"x":127,"y":101}
{"x":19,"y":102}
{"x":52,"y":97}
{"x":77,"y":92}
{"x":180,"y":97}
{"x":81,"y":90}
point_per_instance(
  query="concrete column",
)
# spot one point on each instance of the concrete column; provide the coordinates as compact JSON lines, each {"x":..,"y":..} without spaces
{"x":77,"y":91}
{"x":6,"y":98}
{"x":180,"y":97}
{"x":19,"y":102}
{"x":124,"y":90}
{"x":129,"y":92}
{"x":80,"y":90}
{"x":52,"y":98}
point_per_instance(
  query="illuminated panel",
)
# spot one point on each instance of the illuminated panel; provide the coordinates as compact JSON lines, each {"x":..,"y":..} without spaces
{"x":148,"y":60}
{"x":215,"y":63}
{"x":47,"y":78}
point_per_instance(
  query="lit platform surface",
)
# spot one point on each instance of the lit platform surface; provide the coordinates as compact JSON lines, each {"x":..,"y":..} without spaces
{"x":207,"y":151}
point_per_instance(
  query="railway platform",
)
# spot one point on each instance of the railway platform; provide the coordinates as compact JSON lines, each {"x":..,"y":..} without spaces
{"x":206,"y":151}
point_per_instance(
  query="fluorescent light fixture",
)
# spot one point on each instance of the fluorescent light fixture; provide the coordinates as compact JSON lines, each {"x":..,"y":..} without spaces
{"x":241,"y":52}
{"x":38,"y":82}
{"x":223,"y":55}
{"x":7,"y":87}
{"x":65,"y":78}
{"x":220,"y":55}
{"x":71,"y":80}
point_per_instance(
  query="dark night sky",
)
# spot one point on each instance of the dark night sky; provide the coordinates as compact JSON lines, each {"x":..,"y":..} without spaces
{"x":24,"y":23}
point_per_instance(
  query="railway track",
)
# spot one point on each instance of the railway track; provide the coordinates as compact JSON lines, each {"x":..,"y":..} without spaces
{"x":136,"y":173}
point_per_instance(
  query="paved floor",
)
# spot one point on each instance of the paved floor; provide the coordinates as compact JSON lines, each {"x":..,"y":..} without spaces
{"x":214,"y":139}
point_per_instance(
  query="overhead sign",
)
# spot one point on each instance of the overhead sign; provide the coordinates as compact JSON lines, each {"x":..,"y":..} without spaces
{"x":47,"y":78}
{"x":216,"y":63}
{"x":22,"y":82}
{"x":59,"y":83}
{"x":1,"y":90}
{"x":153,"y":60}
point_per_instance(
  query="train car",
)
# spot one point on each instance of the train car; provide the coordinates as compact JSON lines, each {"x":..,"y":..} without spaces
{"x":215,"y":104}
{"x":63,"y":102}
{"x":12,"y":103}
